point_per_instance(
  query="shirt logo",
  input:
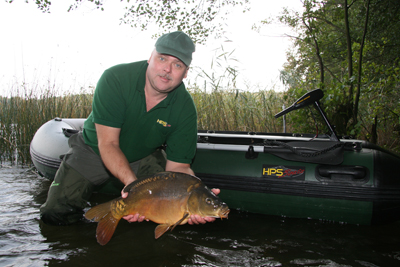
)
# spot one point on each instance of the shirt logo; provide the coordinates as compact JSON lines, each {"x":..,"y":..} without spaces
{"x":163,"y":123}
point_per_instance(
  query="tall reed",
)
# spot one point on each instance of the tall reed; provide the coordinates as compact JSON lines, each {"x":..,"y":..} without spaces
{"x":236,"y":110}
{"x":230,"y":110}
{"x":22,"y":113}
{"x":223,"y":107}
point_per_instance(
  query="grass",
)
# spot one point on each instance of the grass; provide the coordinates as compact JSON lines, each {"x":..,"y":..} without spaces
{"x":235,"y":110}
{"x":22,"y":113}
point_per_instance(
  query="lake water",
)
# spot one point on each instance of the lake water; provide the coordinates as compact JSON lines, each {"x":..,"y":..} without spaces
{"x":244,"y":239}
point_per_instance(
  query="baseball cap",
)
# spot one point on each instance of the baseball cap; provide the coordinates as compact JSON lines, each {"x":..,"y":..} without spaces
{"x":177,"y":44}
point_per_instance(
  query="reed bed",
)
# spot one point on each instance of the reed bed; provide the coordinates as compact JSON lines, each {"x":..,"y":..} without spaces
{"x":236,"y":110}
{"x":22,"y":114}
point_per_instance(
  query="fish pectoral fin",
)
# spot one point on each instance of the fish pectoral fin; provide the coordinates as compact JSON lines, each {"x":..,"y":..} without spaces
{"x":179,"y":222}
{"x":161,"y":229}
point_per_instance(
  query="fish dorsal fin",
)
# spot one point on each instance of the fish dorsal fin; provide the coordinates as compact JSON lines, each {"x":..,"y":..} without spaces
{"x":162,"y":228}
{"x":138,"y":183}
{"x":193,"y":186}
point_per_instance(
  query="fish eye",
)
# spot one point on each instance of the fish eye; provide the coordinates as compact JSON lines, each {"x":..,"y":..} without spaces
{"x":208,"y":201}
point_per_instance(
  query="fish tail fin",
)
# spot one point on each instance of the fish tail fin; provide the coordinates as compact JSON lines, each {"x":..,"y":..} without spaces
{"x":106,"y":228}
{"x":98,"y":212}
{"x":107,"y":222}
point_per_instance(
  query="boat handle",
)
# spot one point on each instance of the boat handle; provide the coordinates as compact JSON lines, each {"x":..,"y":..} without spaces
{"x":357,"y":172}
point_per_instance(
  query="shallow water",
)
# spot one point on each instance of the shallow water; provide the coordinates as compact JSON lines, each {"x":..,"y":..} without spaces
{"x":243,"y":240}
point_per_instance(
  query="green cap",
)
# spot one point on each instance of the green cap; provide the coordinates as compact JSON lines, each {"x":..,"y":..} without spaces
{"x":177,"y":44}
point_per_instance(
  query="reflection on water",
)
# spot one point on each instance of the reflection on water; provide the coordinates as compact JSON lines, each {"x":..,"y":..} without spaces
{"x":21,"y":242}
{"x":243,"y":240}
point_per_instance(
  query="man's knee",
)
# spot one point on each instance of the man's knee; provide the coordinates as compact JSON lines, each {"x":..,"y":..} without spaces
{"x":60,"y":216}
{"x":152,"y":164}
{"x":67,"y":196}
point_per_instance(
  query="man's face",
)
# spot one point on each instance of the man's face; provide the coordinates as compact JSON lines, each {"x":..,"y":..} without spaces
{"x":165,"y":72}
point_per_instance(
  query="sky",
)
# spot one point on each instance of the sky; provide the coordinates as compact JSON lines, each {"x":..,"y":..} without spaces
{"x":70,"y":50}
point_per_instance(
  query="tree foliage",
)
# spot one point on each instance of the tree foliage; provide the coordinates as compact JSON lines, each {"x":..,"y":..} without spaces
{"x":198,"y":18}
{"x":351,"y":50}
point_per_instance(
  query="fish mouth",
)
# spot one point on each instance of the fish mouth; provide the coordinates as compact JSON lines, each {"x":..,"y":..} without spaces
{"x":223,"y":213}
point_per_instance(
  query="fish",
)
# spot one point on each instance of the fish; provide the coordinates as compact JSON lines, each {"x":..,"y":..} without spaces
{"x":166,"y":198}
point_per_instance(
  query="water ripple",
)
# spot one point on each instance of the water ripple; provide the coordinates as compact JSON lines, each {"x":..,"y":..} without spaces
{"x":243,"y":240}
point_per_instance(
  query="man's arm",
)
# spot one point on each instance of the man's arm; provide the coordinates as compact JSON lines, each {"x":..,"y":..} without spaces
{"x":172,"y":166}
{"x":111,"y":154}
{"x":115,"y":160}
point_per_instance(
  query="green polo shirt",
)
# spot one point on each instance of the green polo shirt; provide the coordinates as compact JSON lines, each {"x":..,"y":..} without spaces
{"x":119,"y":102}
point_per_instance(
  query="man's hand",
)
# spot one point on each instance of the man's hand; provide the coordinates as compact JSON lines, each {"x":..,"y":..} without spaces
{"x":134,"y":218}
{"x":197,"y":219}
{"x":131,"y":217}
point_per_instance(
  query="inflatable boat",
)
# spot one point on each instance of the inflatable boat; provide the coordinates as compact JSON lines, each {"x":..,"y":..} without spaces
{"x":323,"y":177}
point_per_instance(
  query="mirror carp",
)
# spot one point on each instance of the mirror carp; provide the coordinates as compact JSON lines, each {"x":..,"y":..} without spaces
{"x":167,"y":198}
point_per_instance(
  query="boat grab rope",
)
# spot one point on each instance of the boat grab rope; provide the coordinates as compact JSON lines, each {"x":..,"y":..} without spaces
{"x":302,"y":154}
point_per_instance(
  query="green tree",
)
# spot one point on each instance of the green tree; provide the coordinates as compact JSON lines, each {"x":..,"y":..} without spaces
{"x":198,"y":18}
{"x":350,"y":50}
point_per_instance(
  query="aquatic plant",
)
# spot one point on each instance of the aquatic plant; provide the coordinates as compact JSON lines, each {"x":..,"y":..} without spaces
{"x":26,"y":109}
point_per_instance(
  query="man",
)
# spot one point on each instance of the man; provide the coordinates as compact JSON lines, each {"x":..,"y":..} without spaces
{"x":137,"y":108}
